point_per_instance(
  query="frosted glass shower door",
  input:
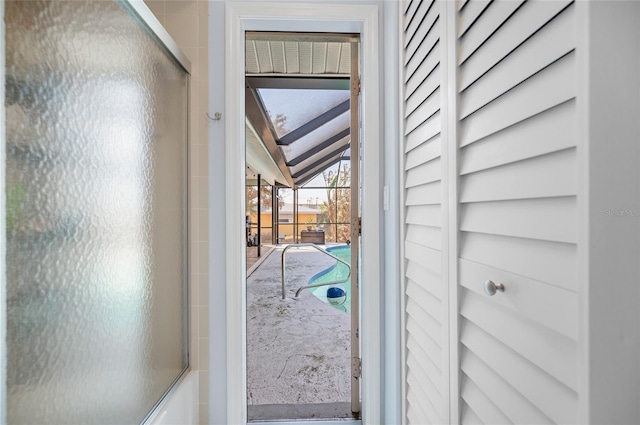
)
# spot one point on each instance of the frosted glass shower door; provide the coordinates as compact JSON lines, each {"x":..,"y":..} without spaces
{"x":96,"y":189}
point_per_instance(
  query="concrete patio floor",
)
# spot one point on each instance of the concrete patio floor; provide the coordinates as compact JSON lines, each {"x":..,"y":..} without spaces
{"x":298,"y":351}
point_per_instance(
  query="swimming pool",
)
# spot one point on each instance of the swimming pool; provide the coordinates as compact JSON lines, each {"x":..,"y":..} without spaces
{"x":336,"y":272}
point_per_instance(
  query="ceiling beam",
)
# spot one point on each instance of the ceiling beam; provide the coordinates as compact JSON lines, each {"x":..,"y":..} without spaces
{"x":302,"y":36}
{"x":288,"y":82}
{"x":319,"y":148}
{"x":262,"y":125}
{"x":320,"y":161}
{"x":314,"y":124}
{"x":303,"y":180}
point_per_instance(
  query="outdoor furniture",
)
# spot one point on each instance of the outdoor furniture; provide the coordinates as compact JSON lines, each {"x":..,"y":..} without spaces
{"x":312,"y":236}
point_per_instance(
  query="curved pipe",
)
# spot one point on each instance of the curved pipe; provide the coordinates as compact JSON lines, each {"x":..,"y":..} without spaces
{"x":316,"y":285}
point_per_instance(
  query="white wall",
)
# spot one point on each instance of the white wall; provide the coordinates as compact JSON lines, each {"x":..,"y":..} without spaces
{"x":391,"y":293}
{"x":217,"y":208}
{"x":612,"y":378}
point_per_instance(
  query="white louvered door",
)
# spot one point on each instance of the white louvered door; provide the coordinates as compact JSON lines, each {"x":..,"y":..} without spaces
{"x":517,"y":212}
{"x":514,"y":357}
{"x":425,"y":301}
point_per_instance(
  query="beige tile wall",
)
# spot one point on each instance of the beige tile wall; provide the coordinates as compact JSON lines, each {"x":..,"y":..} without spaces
{"x":187,"y":22}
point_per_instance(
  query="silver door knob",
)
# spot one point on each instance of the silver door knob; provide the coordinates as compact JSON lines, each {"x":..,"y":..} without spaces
{"x":491,"y":288}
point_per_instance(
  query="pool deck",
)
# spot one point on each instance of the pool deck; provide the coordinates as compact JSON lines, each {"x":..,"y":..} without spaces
{"x":253,"y":261}
{"x":297,"y":350}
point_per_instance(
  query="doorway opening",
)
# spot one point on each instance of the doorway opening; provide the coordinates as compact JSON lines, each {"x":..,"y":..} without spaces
{"x":322,"y":18}
{"x":302,"y":214}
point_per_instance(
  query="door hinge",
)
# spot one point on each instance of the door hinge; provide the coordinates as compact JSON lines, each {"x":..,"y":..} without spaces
{"x":360,"y":226}
{"x":356,"y":367}
{"x":355,"y":86}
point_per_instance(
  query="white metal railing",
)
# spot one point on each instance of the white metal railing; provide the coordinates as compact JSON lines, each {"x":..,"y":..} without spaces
{"x":315,"y":285}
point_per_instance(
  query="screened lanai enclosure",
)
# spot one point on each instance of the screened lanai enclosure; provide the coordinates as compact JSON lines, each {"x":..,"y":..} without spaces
{"x":298,"y":134}
{"x":323,"y":205}
{"x":301,"y":174}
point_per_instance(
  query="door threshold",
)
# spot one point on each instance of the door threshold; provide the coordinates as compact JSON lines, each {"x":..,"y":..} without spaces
{"x":318,"y":413}
{"x":312,"y":421}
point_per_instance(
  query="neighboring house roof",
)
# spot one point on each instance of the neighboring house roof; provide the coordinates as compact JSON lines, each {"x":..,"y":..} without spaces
{"x":302,"y":209}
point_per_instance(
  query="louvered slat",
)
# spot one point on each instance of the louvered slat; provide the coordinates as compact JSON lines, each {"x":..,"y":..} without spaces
{"x":486,"y":408}
{"x":490,"y":21}
{"x":548,"y":219}
{"x":427,"y":236}
{"x":425,"y":215}
{"x":524,"y":337}
{"x":556,"y":401}
{"x":524,"y":179}
{"x":468,"y":416}
{"x":553,"y":263}
{"x":537,"y":53}
{"x":425,"y":194}
{"x":421,"y":34}
{"x":424,"y":173}
{"x":430,"y":258}
{"x":418,"y":336}
{"x":427,"y":288}
{"x":548,"y":88}
{"x":424,"y":289}
{"x":431,"y":280}
{"x":425,"y":369}
{"x":430,"y":324}
{"x":523,"y":24}
{"x":431,"y":397}
{"x":423,"y":91}
{"x":411,"y":10}
{"x":406,"y":4}
{"x":416,"y":20}
{"x":550,"y":306}
{"x":424,"y":132}
{"x":461,"y":4}
{"x":427,"y":109}
{"x":549,"y":131}
{"x":513,"y":405}
{"x":470,"y":14}
{"x":431,"y":386}
{"x":425,"y":413}
{"x":425,"y":58}
{"x":423,"y":152}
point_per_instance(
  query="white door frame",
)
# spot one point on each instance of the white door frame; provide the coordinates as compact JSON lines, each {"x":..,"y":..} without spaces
{"x":316,"y":17}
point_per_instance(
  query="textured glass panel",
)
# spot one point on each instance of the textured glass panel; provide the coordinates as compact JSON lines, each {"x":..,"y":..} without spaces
{"x":289,"y":109}
{"x":95,"y":182}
